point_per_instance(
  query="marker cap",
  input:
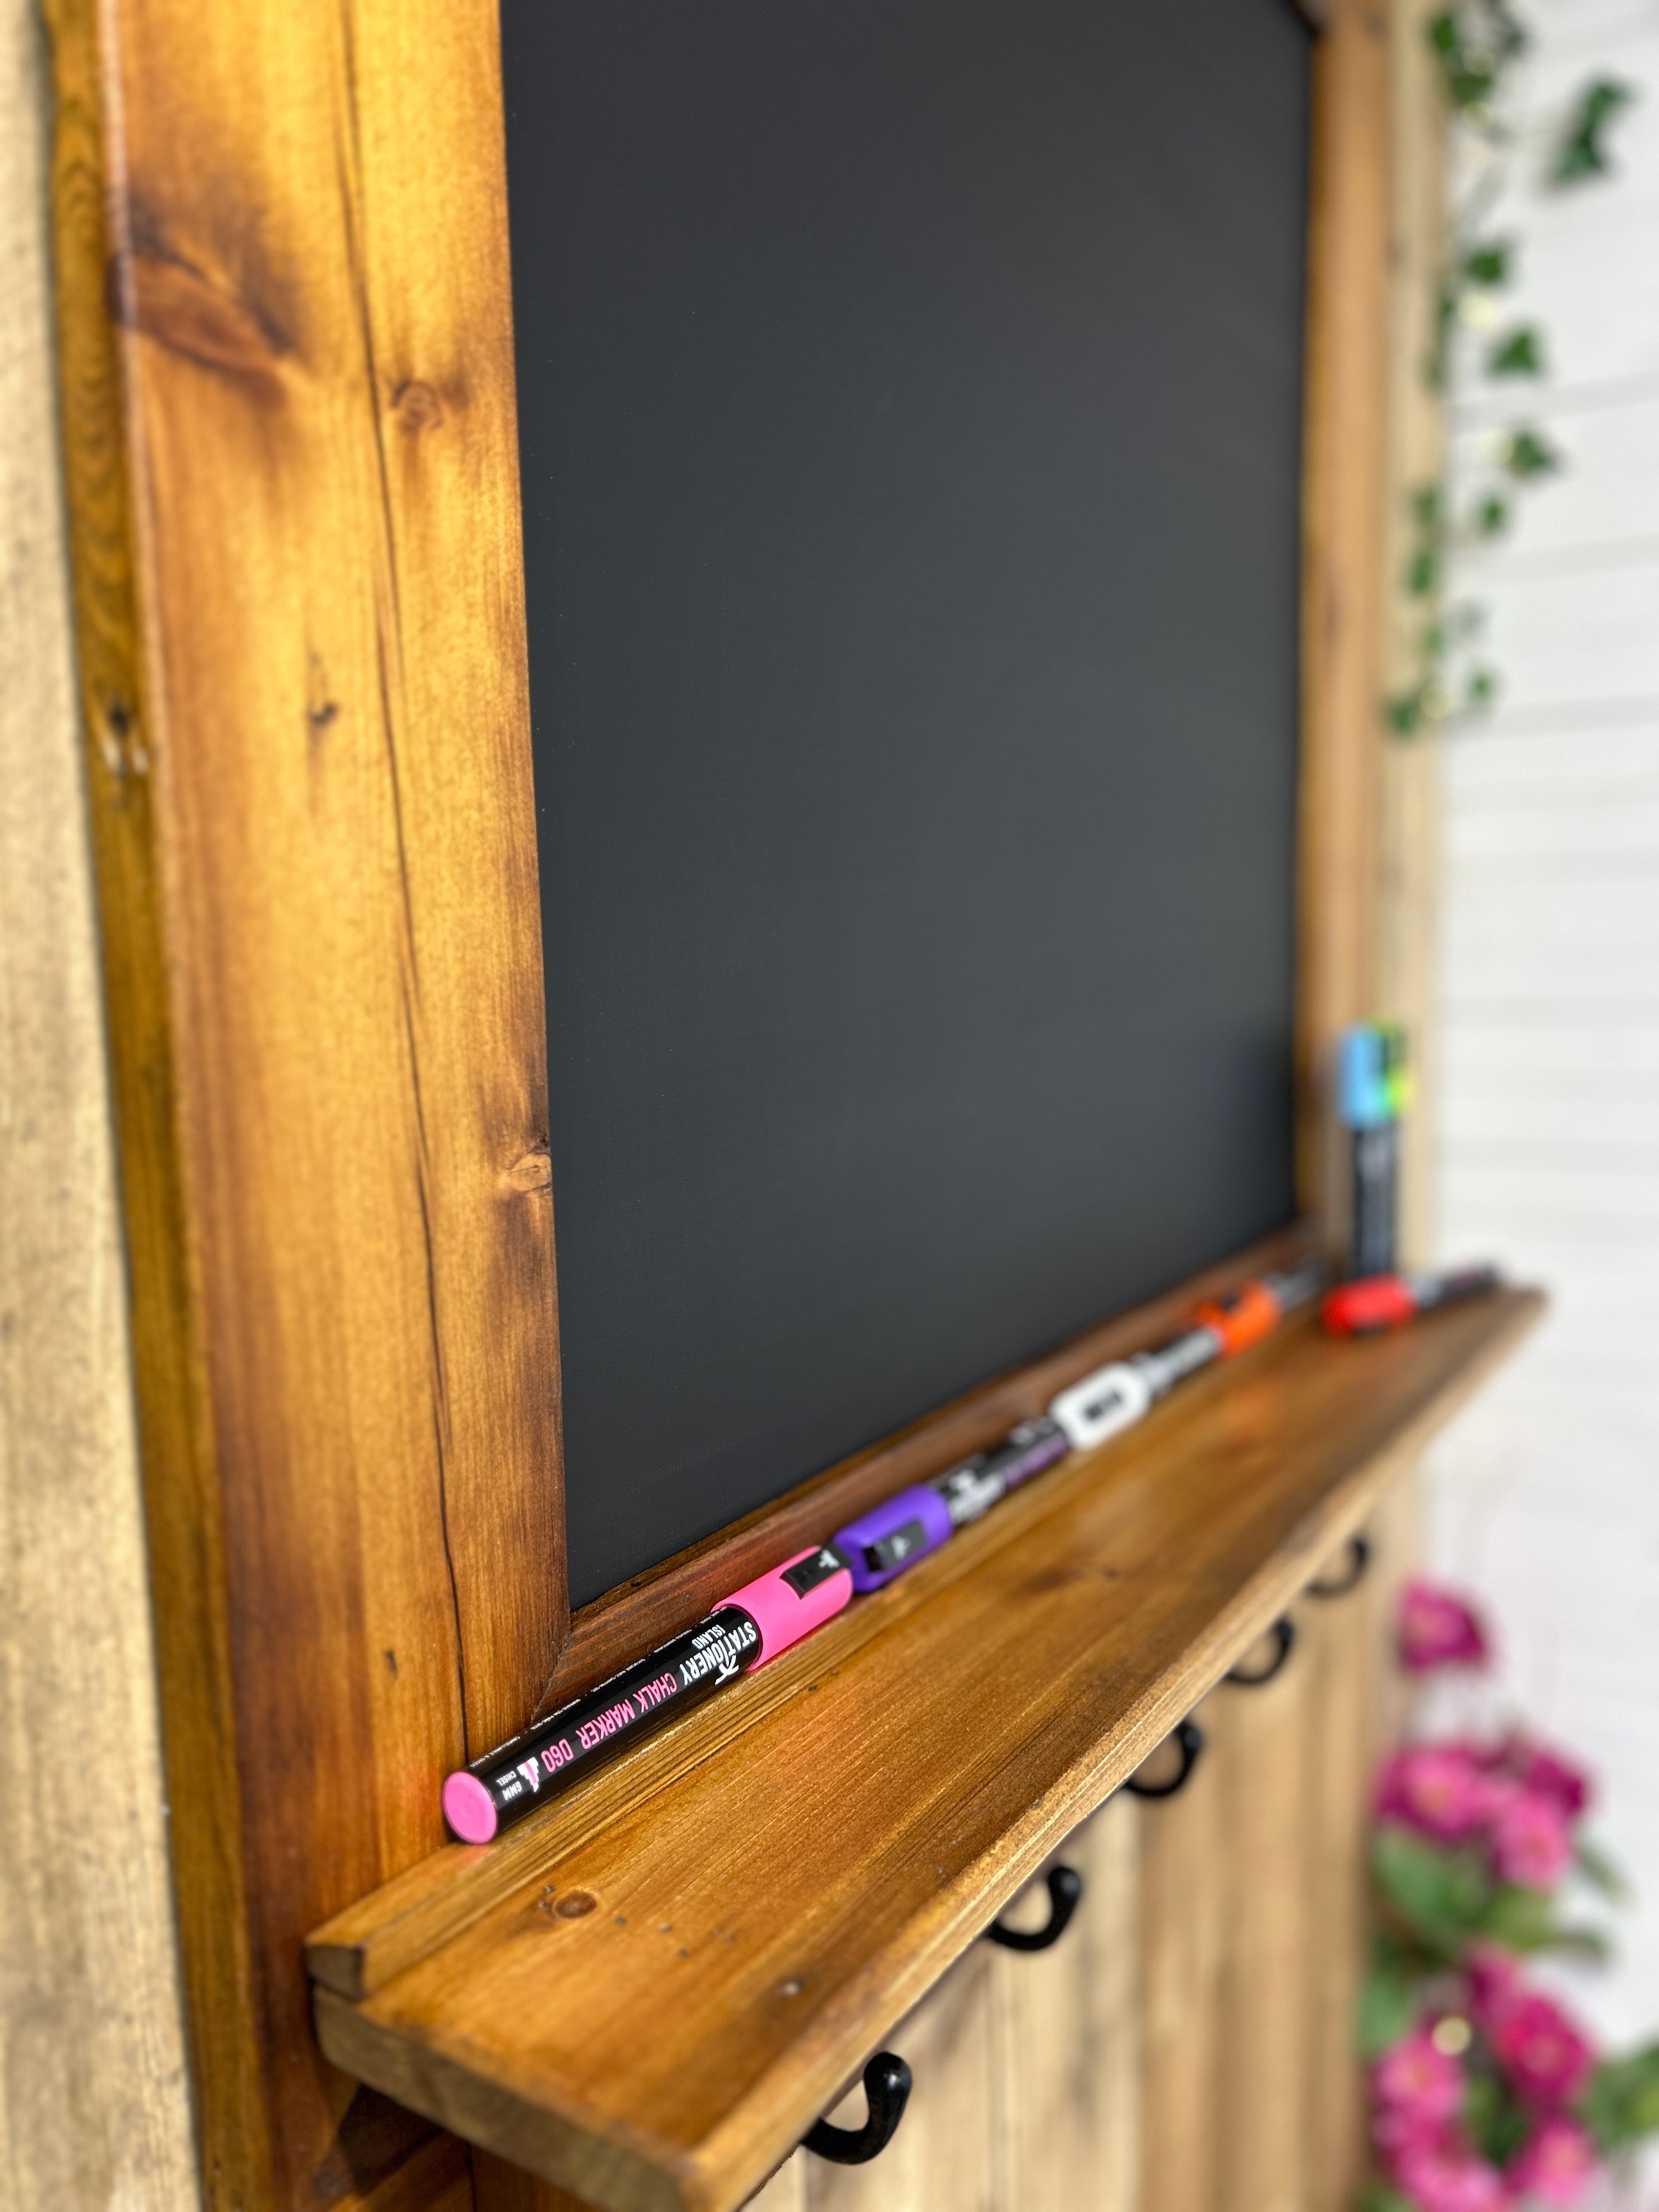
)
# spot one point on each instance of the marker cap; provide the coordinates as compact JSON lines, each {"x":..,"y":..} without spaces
{"x":1110,"y":1399}
{"x":1364,"y":1096}
{"x":791,"y":1600}
{"x":1375,"y":1301}
{"x":468,"y":1809}
{"x":893,"y":1536}
{"x":1241,"y":1319}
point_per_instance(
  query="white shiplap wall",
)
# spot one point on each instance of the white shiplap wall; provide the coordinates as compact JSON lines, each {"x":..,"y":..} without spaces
{"x":1545,"y":1497}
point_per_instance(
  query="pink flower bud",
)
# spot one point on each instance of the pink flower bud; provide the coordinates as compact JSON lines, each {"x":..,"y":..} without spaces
{"x":1556,"y":2164}
{"x":1448,"y":2176}
{"x":1413,"y":2076}
{"x":1438,"y":1628}
{"x":1545,"y":2056}
{"x":1546,"y":1773}
{"x":1440,"y":1792}
{"x":1531,"y":1842}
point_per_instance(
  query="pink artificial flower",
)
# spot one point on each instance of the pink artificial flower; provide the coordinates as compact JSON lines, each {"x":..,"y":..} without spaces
{"x":1546,"y":1773}
{"x":1412,"y":2076}
{"x":1448,"y":2176}
{"x":1437,"y":1628}
{"x":1398,"y":2128}
{"x":1546,"y":2058}
{"x":1439,"y":1791}
{"x":1557,"y":2164}
{"x":1494,"y":1981}
{"x":1531,"y":1842}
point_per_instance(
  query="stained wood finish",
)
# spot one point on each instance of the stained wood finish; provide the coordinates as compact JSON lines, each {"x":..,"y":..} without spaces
{"x":1343,"y":524}
{"x":1261,"y":2121}
{"x":944,"y":2157}
{"x":758,"y":1927}
{"x":1356,"y":1710}
{"x":1185,"y":1888}
{"x":1254,"y":1913}
{"x":292,"y":463}
{"x":1066,"y":2027}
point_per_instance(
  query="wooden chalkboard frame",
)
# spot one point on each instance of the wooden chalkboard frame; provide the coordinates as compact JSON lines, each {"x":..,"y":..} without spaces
{"x":289,"y":423}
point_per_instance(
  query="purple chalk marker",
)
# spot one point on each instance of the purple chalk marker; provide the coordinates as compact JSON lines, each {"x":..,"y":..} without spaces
{"x":893,"y":1536}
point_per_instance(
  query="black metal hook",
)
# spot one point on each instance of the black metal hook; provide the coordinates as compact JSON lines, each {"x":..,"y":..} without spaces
{"x":1359,"y":1558}
{"x":1284,"y":1635}
{"x":1064,"y":1895}
{"x":887,"y":2090}
{"x":1190,"y":1737}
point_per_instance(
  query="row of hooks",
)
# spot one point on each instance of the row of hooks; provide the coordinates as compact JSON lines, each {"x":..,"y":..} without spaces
{"x":887,"y":2079}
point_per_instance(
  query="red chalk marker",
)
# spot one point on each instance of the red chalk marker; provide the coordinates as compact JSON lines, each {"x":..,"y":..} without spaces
{"x":1380,"y":1302}
{"x":752,"y":1626}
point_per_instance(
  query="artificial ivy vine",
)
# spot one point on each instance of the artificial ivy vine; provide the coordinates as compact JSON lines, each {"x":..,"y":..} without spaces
{"x":1476,"y":46}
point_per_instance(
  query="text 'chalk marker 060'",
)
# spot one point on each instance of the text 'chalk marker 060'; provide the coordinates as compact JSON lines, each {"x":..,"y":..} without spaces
{"x":756,"y":1623}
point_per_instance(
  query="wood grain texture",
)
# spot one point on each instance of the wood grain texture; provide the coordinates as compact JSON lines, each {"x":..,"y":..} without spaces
{"x":654,"y":1606}
{"x":95,"y":2107}
{"x":1260,"y":1753}
{"x":758,"y":1927}
{"x":292,"y":468}
{"x":1185,"y":1886}
{"x":1355,"y":1709}
{"x":787,"y":2191}
{"x":944,"y":2157}
{"x":1408,"y":892}
{"x":1067,"y":2030}
{"x":1342,"y":575}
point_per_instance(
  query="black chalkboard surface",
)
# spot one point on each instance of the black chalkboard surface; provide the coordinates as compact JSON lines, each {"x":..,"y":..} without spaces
{"x":909,"y":410}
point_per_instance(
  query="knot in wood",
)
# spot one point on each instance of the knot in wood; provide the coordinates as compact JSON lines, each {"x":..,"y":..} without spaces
{"x":417,"y":406}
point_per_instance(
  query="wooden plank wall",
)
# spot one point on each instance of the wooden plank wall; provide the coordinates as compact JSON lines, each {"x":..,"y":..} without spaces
{"x":1188,"y":2044}
{"x":94,"y":2110}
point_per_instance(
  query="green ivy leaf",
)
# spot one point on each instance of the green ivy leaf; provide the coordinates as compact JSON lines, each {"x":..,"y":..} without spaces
{"x":1427,"y":507}
{"x":1387,"y":2007}
{"x":1404,"y":714}
{"x":1423,"y":575}
{"x":1581,"y":153}
{"x":1491,"y":516}
{"x":1580,"y":1942}
{"x":1496,"y":2117}
{"x":1480,"y":690}
{"x":1528,"y":454}
{"x":1473,"y":44}
{"x":1520,"y":354}
{"x":1520,"y":1919}
{"x":1489,"y":264}
{"x":1377,"y":2197}
{"x":1602,"y":1872}
{"x":1621,"y":2104}
{"x":1442,"y":1895}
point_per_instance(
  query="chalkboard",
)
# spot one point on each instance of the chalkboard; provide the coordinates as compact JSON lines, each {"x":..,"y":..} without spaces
{"x":910,"y":404}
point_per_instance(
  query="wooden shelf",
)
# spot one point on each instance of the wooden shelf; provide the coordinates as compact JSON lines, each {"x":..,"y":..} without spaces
{"x":648,"y":1992}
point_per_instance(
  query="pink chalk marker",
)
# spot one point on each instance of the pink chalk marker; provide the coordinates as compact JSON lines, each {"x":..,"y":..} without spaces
{"x":745,"y":1630}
